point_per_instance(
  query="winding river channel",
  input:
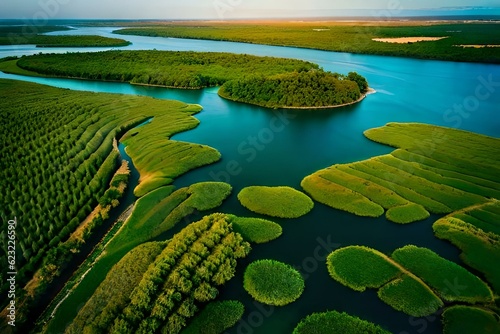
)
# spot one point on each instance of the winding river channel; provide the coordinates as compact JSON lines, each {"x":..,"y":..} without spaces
{"x":266,"y":147}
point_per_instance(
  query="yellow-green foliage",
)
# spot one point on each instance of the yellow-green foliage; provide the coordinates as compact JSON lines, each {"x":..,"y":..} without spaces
{"x":360,"y":267}
{"x":184,"y":276}
{"x":407,"y":213}
{"x":340,"y":197}
{"x":336,"y":322}
{"x":480,"y":249}
{"x":157,"y":158}
{"x":452,"y":282}
{"x":463,"y":319}
{"x":112,"y":295}
{"x":283,"y":202}
{"x":355,"y":38}
{"x":256,"y":230}
{"x":153,"y":215}
{"x":408,"y":295}
{"x":435,"y":169}
{"x":272,"y":282}
{"x":216,"y":317}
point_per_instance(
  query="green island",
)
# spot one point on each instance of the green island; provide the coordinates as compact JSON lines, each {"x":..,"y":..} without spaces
{"x":216,"y":317}
{"x":183,"y":276}
{"x":265,"y":81}
{"x":475,"y":232}
{"x":353,"y":37}
{"x":21,"y":35}
{"x":336,"y":322}
{"x":413,"y":280}
{"x":466,"y":319}
{"x":283,"y":202}
{"x":256,"y":230}
{"x":272,"y":282}
{"x":434,"y":169}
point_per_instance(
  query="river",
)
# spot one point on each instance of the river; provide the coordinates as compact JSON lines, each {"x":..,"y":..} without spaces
{"x":264,"y":147}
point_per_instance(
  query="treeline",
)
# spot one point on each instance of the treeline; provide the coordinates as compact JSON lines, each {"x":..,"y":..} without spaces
{"x":305,"y":89}
{"x":21,"y":35}
{"x":165,"y":68}
{"x":183,"y":277}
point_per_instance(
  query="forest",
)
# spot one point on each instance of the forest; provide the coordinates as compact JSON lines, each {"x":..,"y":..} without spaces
{"x":21,"y":35}
{"x":265,"y":81}
{"x":345,"y":37}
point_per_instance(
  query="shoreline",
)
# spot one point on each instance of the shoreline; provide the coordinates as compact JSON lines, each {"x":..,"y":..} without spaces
{"x":362,"y":97}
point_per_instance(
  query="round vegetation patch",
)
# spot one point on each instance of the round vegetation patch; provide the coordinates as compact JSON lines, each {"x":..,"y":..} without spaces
{"x":335,"y":322}
{"x":256,"y":230}
{"x":272,"y":282}
{"x":407,"y":213}
{"x":283,"y":202}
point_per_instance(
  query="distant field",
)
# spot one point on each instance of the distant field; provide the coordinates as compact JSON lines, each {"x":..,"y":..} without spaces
{"x":434,"y":169}
{"x":352,"y":37}
{"x":20,"y":35}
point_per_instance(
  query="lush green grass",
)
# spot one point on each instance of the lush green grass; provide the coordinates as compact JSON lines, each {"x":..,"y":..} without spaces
{"x":284,"y":202}
{"x":434,"y":169}
{"x":272,"y":282}
{"x":216,"y":317}
{"x":408,"y":295}
{"x":452,"y":282}
{"x":345,"y":37}
{"x":112,"y":295}
{"x":336,"y":322}
{"x":407,"y":213}
{"x":480,"y":250}
{"x":256,"y":230}
{"x":463,"y":319}
{"x":359,"y":267}
{"x":340,"y":197}
{"x":157,"y":158}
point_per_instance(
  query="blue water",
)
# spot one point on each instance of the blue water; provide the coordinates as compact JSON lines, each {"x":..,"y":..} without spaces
{"x":266,"y":147}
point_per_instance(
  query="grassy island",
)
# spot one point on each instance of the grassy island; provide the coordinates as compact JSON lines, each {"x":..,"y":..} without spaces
{"x":257,"y":230}
{"x":434,"y":169}
{"x":336,"y":322}
{"x":265,"y":81}
{"x":273,"y":283}
{"x":464,"y":319}
{"x":283,"y":202}
{"x":413,"y":280}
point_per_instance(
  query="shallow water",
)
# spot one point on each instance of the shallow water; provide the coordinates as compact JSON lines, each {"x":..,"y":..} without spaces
{"x":277,"y":147}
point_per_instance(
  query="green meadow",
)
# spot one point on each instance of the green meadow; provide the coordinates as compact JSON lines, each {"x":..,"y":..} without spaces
{"x":346,"y":37}
{"x":256,"y":230}
{"x":434,"y":169}
{"x":272,"y":282}
{"x":283,"y":202}
{"x":216,"y":317}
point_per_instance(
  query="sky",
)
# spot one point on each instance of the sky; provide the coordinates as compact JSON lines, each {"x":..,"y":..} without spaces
{"x":40,"y":10}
